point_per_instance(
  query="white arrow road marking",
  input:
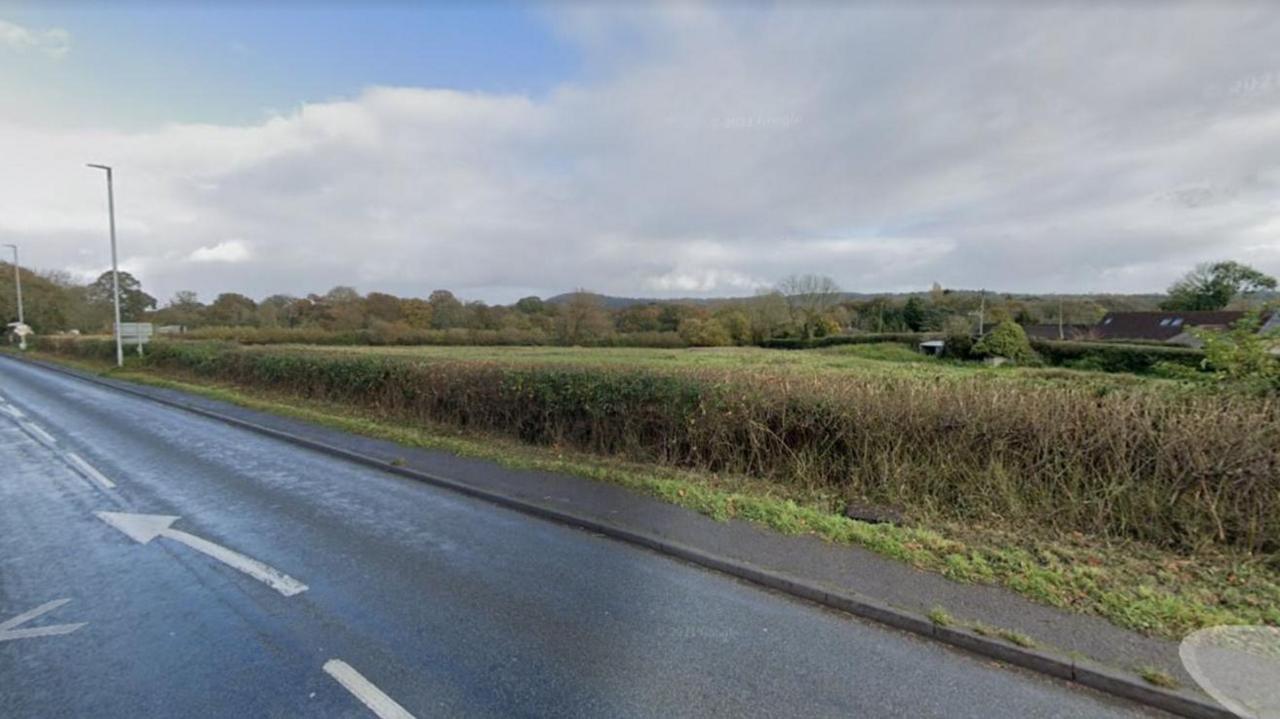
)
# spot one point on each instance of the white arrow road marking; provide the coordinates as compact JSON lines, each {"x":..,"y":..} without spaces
{"x":364,"y":690}
{"x":89,"y":470}
{"x":8,"y":633}
{"x":142,"y":528}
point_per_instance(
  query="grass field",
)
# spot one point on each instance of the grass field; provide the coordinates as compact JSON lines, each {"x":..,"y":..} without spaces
{"x":883,"y":359}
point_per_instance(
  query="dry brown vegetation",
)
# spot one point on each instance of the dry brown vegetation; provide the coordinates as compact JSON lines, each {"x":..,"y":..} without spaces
{"x":1181,"y":470}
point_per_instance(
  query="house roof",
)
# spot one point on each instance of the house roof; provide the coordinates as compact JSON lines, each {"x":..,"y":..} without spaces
{"x":1160,"y":326}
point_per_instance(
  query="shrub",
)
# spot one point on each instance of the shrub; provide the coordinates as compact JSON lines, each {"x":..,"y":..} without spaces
{"x":1114,"y":357}
{"x":958,"y":346}
{"x":1241,"y":355}
{"x":1007,"y":340}
{"x":1181,"y":470}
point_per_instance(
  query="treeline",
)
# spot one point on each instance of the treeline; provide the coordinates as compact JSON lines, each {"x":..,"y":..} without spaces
{"x":54,"y":302}
{"x":801,"y":307}
{"x":793,"y":309}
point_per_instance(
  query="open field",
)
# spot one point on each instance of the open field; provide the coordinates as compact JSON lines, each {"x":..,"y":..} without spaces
{"x":1106,"y":493}
{"x":885,"y":359}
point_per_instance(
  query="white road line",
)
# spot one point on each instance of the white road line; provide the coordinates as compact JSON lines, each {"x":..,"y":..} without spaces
{"x":8,"y":633}
{"x":89,"y":470}
{"x":39,"y":433}
{"x":76,"y":461}
{"x":364,"y":690}
{"x":270,"y":576}
{"x":142,"y":528}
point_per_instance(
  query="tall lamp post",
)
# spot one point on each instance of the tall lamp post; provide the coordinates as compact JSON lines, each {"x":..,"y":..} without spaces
{"x":115,"y":268}
{"x":17,"y":283}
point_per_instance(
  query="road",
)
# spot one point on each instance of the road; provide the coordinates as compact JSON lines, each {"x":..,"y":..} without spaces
{"x":291,"y":583}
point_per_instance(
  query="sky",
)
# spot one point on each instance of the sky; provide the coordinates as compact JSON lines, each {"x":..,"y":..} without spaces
{"x":659,"y":150}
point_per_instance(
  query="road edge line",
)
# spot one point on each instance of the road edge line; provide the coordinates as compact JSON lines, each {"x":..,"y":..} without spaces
{"x":1084,"y":672}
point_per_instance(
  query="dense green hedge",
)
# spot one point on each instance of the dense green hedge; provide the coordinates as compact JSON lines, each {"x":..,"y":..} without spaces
{"x":1182,"y":470}
{"x":391,"y":335}
{"x":1102,"y":356}
{"x":795,"y":343}
{"x":1115,"y":357}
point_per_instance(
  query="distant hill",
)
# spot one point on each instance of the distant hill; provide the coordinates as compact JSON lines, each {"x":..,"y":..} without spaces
{"x":1114,"y":301}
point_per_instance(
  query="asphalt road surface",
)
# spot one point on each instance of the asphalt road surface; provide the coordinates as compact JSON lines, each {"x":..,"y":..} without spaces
{"x":155,"y":563}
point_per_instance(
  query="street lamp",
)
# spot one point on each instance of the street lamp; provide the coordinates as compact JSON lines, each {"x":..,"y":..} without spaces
{"x":115,"y":269}
{"x":17,"y":283}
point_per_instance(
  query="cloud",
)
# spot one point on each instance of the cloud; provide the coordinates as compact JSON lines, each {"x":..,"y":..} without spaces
{"x":229,"y":251}
{"x":54,"y":42}
{"x":710,"y":151}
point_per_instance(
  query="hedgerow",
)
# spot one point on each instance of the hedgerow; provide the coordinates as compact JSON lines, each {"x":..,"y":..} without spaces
{"x":392,"y":335}
{"x":1115,"y":357}
{"x":796,"y":343}
{"x":1182,"y":470}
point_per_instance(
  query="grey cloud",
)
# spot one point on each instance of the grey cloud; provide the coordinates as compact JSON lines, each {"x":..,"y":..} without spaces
{"x":1060,"y":148}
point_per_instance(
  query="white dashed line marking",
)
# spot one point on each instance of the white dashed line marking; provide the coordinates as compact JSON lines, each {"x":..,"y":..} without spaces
{"x":89,"y":471}
{"x":364,"y":690}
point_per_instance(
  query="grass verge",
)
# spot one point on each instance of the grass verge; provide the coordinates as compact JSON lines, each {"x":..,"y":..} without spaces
{"x":1134,"y":585}
{"x":1158,"y":677}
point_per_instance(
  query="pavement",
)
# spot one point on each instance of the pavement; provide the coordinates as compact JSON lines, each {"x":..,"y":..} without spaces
{"x":154,"y":562}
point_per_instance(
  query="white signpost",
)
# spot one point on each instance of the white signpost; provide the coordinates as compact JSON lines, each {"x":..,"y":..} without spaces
{"x":22,"y":331}
{"x":138,"y":333}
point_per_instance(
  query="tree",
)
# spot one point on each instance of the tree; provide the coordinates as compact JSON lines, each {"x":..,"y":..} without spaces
{"x":383,"y":307}
{"x":639,"y":318}
{"x":531,"y":305}
{"x":134,"y":303}
{"x":767,"y":315}
{"x":274,"y":311}
{"x":671,"y":314}
{"x":1007,"y":340}
{"x":583,"y":319}
{"x":417,"y":312}
{"x":446,"y":310}
{"x":704,"y":332}
{"x":736,"y":323}
{"x":1212,"y":286}
{"x":48,"y":299}
{"x":809,"y":297}
{"x":184,"y":309}
{"x":958,"y":343}
{"x":233,"y":310}
{"x":913,"y":314}
{"x":342,"y":294}
{"x":481,"y":316}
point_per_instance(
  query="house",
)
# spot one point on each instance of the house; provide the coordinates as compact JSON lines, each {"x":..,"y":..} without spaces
{"x":1162,"y":326}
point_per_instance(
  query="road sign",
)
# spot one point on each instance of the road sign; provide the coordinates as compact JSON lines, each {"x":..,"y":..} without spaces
{"x":136,"y":332}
